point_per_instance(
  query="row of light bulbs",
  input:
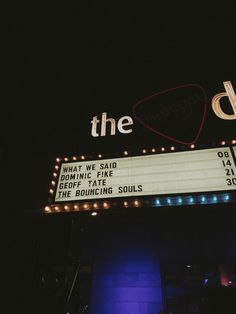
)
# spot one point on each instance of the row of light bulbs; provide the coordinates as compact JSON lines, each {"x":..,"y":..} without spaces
{"x":153,"y":202}
{"x":144,"y":151}
{"x":87,"y":206}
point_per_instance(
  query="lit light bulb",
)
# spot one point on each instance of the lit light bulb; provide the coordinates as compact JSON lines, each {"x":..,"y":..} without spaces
{"x":168,"y":200}
{"x":226,"y":197}
{"x":214,"y":198}
{"x":180,"y":200}
{"x":191,"y":200}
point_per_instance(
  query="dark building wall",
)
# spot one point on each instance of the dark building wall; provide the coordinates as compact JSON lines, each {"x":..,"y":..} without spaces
{"x":126,"y":274}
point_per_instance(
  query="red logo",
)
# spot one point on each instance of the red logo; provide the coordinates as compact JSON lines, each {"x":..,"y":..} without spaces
{"x":177,"y":114}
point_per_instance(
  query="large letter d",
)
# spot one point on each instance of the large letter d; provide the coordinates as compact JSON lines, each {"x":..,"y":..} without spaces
{"x":232,"y":98}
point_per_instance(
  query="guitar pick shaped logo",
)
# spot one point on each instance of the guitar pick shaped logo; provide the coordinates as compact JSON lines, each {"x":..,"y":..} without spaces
{"x":177,"y":114}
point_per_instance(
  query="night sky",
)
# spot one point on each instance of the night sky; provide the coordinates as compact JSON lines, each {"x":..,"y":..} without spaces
{"x":63,"y":64}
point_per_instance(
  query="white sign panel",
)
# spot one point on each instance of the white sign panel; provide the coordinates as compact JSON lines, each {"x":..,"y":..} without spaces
{"x":178,"y":172}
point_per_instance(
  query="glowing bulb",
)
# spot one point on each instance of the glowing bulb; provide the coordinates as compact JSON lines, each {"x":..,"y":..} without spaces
{"x":233,"y":141}
{"x":158,"y":202}
{"x":47,"y":209}
{"x":85,"y":206}
{"x":53,"y":182}
{"x":105,"y":205}
{"x":172,"y":148}
{"x":192,"y":146}
{"x":226,"y":197}
{"x":153,"y":150}
{"x":51,"y":191}
{"x":168,"y":200}
{"x":66,"y":207}
{"x":136,"y":203}
{"x":82,"y":157}
{"x":223,"y":143}
{"x":203,"y":198}
{"x":56,"y":208}
{"x":163,"y":149}
{"x":94,"y":214}
{"x":66,"y":159}
{"x":214,"y":198}
{"x":125,"y":203}
{"x":74,"y":158}
{"x":125,"y":153}
{"x":206,"y":281}
{"x":180,"y":200}
{"x":57,"y":159}
{"x":99,"y":156}
{"x":56,"y":167}
{"x":76,"y":207}
{"x":144,"y":151}
{"x":95,"y":205}
{"x":54,"y":174}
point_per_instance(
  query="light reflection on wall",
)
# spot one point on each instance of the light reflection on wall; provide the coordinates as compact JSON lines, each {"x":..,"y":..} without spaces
{"x":126,"y":279}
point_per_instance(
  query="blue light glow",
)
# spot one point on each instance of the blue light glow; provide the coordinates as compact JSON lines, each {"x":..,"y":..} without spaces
{"x":214,"y":198}
{"x":180,"y":201}
{"x":205,"y":282}
{"x":203,"y":199}
{"x":191,"y":200}
{"x":168,"y":200}
{"x":226,"y":197}
{"x":126,"y":280}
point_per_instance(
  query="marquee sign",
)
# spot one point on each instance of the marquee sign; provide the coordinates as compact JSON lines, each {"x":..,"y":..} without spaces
{"x":194,"y":171}
{"x":177,"y":115}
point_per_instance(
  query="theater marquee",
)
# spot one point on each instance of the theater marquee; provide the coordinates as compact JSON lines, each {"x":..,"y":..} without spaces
{"x":205,"y":170}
